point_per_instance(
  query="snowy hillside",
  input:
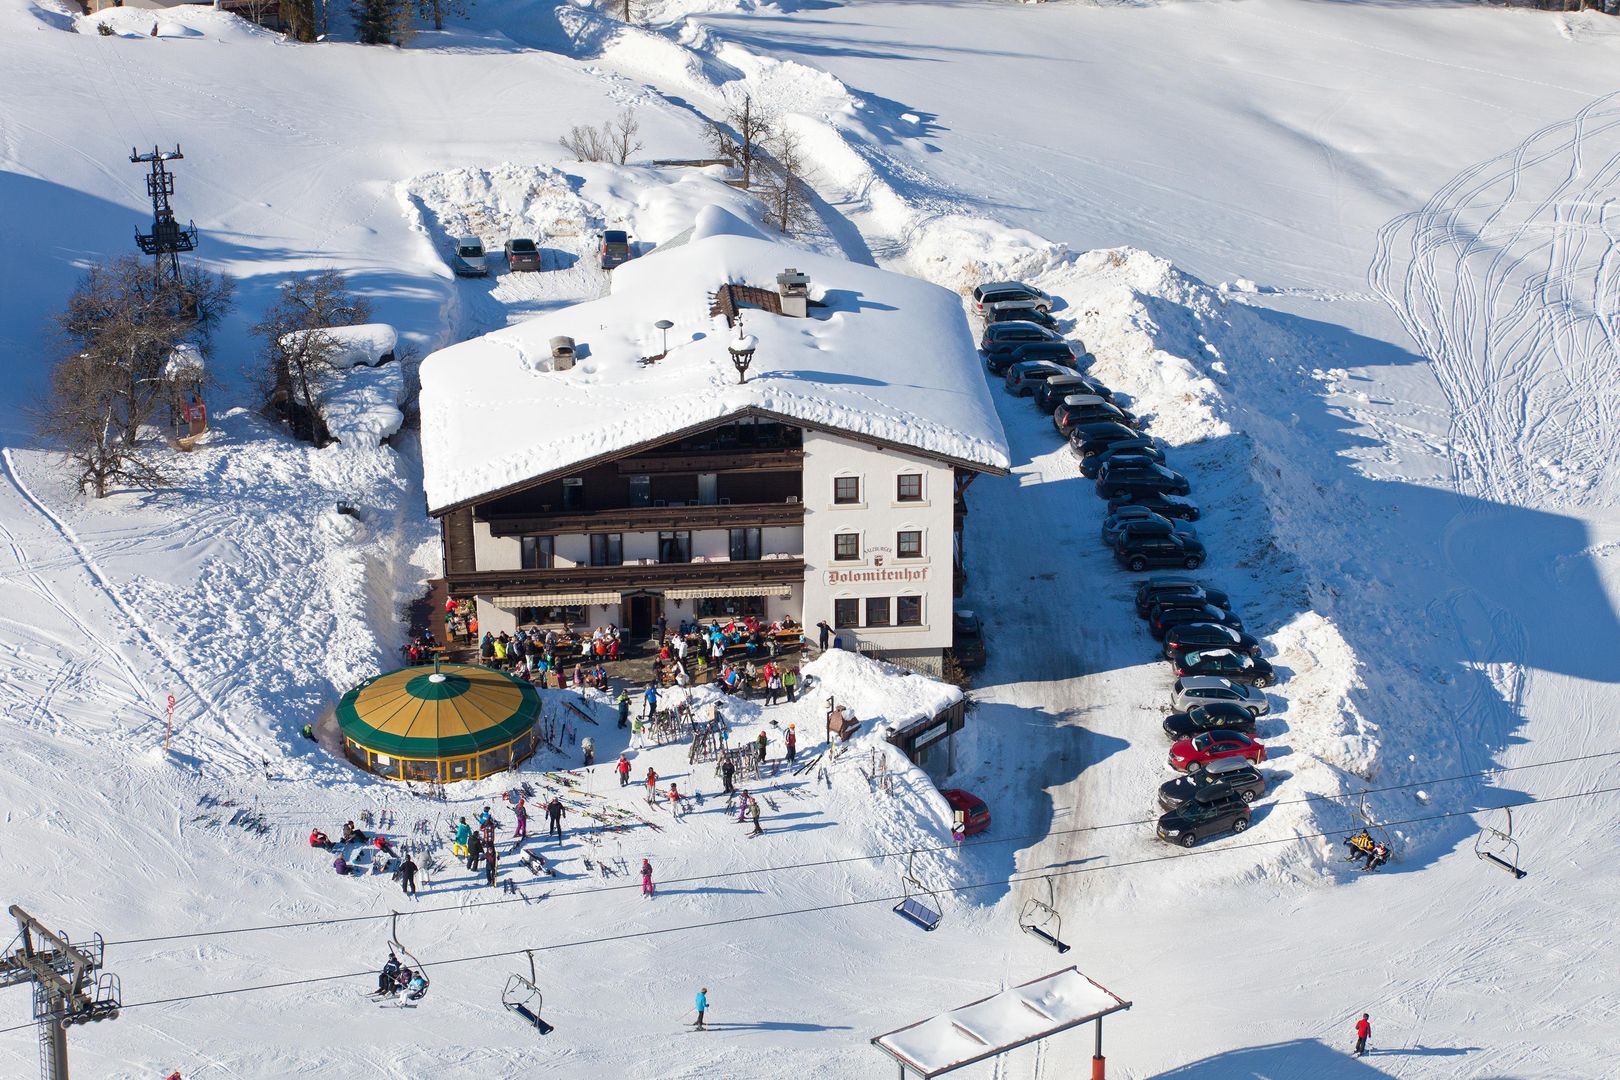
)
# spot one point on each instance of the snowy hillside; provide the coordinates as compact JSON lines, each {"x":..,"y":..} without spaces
{"x":1356,"y":265}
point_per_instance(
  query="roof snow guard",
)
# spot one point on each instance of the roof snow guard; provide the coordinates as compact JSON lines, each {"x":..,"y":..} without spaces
{"x":1001,"y":1022}
{"x":879,"y":357}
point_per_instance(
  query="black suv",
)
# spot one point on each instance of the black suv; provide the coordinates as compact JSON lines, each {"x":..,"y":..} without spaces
{"x":1236,"y":773}
{"x":1006,"y":312}
{"x":1173,"y":612}
{"x":1059,"y":387}
{"x":1058,"y":352}
{"x":1207,"y":635}
{"x":1089,"y":439}
{"x":1137,"y":553}
{"x":1236,"y":666}
{"x":1213,"y":809}
{"x":1214,"y":716}
{"x":1141,"y":478}
{"x":1161,"y":587}
{"x":1143,"y":449}
{"x":1005,"y":336}
{"x":1079,"y":410}
{"x":1170,"y":506}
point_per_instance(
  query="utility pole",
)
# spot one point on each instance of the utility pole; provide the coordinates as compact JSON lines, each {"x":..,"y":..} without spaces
{"x":67,"y":989}
{"x":167,"y":239}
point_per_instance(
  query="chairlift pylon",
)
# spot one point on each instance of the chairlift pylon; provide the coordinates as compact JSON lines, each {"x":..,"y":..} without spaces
{"x":1036,"y":917}
{"x":522,"y":997}
{"x":911,"y":908}
{"x":1496,"y":844}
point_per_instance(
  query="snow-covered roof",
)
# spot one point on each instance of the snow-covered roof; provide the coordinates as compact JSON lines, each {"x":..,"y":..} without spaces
{"x":362,"y":343}
{"x":184,"y":362}
{"x":1000,"y":1022}
{"x":882,"y":356}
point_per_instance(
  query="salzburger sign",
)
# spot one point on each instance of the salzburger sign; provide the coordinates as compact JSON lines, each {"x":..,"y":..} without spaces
{"x":858,"y":577}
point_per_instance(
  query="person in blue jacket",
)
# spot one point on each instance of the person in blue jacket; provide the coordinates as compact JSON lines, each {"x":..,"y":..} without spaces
{"x":702,"y":1006}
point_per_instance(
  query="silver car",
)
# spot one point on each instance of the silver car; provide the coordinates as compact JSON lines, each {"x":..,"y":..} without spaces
{"x":467,"y":258}
{"x":1025,"y":378}
{"x":1193,"y":690}
{"x":994,"y":294}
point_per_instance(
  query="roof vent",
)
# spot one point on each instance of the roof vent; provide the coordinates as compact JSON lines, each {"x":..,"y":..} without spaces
{"x":794,"y":288}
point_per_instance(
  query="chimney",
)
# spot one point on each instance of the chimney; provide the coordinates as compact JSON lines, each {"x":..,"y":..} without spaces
{"x":794,"y":288}
{"x":562,"y":353}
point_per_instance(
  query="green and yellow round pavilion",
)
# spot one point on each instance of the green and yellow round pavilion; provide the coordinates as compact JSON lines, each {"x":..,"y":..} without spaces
{"x":448,"y":722}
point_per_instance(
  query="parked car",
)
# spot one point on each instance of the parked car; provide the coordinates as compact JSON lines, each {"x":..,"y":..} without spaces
{"x":1054,"y":390}
{"x":1059,"y":352}
{"x":467,"y":257}
{"x":1190,"y":755}
{"x":975,"y":814}
{"x":1137,"y":553}
{"x":1171,"y":506}
{"x":1027,"y":376}
{"x":1114,"y":527}
{"x":1005,"y":336}
{"x":1160,"y":587}
{"x":616,"y":248}
{"x":1228,"y":664}
{"x":1013,"y":312}
{"x":522,"y":254}
{"x":1214,"y":809}
{"x":1214,"y":716}
{"x":993,"y":294}
{"x":1089,"y":439}
{"x":1208,"y":635}
{"x":1112,"y":523}
{"x":967,"y":640}
{"x":1141,"y":478}
{"x":1078,"y":409}
{"x":1173,"y":612}
{"x":1248,"y":781}
{"x":1198,"y":689}
{"x":1142,"y":449}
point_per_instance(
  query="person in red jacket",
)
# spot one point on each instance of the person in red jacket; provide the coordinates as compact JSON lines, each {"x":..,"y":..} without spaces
{"x":1363,"y":1033}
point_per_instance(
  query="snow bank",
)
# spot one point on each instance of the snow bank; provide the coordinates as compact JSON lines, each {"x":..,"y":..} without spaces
{"x":361,"y":343}
{"x":361,"y":406}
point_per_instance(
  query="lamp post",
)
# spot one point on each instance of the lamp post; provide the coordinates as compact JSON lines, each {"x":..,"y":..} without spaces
{"x":664,"y":325}
{"x":742,"y":349}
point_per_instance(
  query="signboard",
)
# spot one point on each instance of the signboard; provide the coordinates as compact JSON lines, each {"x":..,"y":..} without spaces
{"x":878,"y":574}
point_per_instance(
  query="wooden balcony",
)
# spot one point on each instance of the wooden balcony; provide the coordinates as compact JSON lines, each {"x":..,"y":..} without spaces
{"x":628,"y":578}
{"x":652,"y":519}
{"x":733,"y":460}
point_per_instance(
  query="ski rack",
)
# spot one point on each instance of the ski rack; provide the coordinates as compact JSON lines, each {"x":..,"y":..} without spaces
{"x":416,"y":965}
{"x":1497,"y":845}
{"x":520,"y":992}
{"x":1036,"y":916}
{"x":910,"y":907}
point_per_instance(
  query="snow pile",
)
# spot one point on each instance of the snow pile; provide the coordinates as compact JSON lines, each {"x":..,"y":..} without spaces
{"x":361,"y":406}
{"x":362,"y":343}
{"x":495,"y":414}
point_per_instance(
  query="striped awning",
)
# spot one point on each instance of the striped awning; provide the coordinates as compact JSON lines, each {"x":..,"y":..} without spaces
{"x":705,"y":592}
{"x":555,"y":599}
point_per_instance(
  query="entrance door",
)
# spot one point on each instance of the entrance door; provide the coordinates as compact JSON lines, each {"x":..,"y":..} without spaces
{"x":708,"y":489}
{"x":639,"y":614}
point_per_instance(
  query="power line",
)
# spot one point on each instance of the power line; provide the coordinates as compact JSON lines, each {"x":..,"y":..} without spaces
{"x":820,"y":908}
{"x":340,"y":920}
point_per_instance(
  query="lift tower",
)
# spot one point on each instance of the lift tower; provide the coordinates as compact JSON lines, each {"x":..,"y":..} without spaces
{"x":67,"y":988}
{"x":167,"y":239}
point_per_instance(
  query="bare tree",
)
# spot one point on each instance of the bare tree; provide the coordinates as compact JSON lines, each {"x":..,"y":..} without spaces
{"x":740,"y":138}
{"x":621,"y":131}
{"x":298,"y":354}
{"x":585,"y":143}
{"x":785,"y":183}
{"x":614,"y":141}
{"x":84,"y":415}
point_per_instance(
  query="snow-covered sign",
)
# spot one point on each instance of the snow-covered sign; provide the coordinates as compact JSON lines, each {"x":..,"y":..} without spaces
{"x":1001,"y":1022}
{"x":364,"y":343}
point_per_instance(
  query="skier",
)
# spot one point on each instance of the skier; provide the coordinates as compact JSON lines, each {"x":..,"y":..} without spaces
{"x":792,"y":742}
{"x":753,"y":812}
{"x":763,"y":743}
{"x":702,"y":1006}
{"x":1363,"y":1033}
{"x":742,"y":806}
{"x":727,"y":771}
{"x":649,"y":699}
{"x":320,"y":840}
{"x":635,"y":730}
{"x":826,"y":632}
{"x":416,"y":987}
{"x":475,"y":851}
{"x":407,"y":876}
{"x":387,"y":978}
{"x":1377,"y":857}
{"x":486,"y":819}
{"x":522,"y":811}
{"x":623,"y":769}
{"x":491,"y":856}
{"x":587,"y":746}
{"x":652,"y":782}
{"x":790,"y":683}
{"x":646,"y":878}
{"x":674,"y":800}
{"x":624,"y":708}
{"x":463,"y":832}
{"x":554,"y":816}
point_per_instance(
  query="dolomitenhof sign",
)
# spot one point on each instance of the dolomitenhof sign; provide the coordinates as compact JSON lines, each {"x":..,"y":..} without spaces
{"x":885,"y":573}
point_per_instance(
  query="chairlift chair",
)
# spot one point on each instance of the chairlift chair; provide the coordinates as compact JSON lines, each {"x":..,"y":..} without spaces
{"x":1369,"y":833}
{"x":911,"y":908}
{"x":523,"y":997}
{"x":1043,"y":921}
{"x":416,"y":965}
{"x":1495,"y":843}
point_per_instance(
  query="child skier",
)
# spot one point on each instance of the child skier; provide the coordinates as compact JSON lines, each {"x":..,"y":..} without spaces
{"x":646,"y":878}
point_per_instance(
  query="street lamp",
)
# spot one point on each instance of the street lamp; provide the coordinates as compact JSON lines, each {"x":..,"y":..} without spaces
{"x":742,"y":349}
{"x":664,"y":325}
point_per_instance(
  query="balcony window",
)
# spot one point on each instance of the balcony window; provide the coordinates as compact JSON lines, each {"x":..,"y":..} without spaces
{"x":641,"y":491}
{"x":728,"y":607}
{"x":573,"y":493}
{"x":908,"y":544}
{"x":744,"y":545}
{"x":846,"y":613}
{"x":877,"y":611}
{"x":674,"y":547}
{"x":909,"y":488}
{"x":846,"y":546}
{"x":908,"y":611}
{"x":539,"y":552}
{"x":607,"y":549}
{"x":846,"y":490}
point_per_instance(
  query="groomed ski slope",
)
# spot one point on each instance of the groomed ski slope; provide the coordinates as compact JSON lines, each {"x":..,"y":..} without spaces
{"x":1418,"y":520}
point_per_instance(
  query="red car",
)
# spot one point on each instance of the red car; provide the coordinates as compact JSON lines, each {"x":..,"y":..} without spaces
{"x":1190,"y":755}
{"x":975,"y":814}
